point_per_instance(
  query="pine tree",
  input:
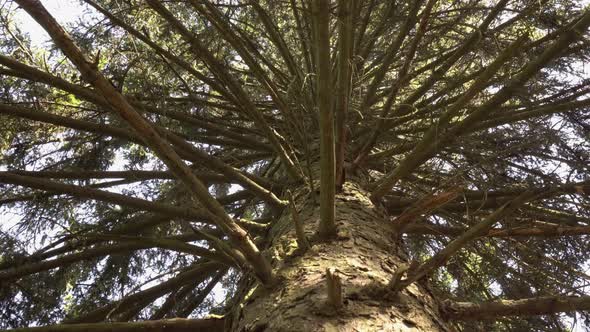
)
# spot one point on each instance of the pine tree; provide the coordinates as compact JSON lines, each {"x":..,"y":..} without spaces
{"x":340,"y":165}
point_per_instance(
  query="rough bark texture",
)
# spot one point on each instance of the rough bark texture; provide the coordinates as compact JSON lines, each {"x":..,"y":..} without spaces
{"x":365,"y":258}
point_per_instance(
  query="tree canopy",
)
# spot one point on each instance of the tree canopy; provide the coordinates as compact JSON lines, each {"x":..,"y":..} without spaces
{"x":146,"y":151}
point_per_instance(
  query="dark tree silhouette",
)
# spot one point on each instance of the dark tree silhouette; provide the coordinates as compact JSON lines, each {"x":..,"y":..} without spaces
{"x":344,"y":165}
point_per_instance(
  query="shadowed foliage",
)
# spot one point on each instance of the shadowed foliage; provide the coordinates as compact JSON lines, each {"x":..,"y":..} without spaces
{"x":310,"y":158}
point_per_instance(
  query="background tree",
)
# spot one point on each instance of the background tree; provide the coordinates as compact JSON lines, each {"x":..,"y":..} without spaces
{"x":333,"y":165}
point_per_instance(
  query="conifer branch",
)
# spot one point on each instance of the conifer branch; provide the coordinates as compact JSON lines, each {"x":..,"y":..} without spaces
{"x":166,"y":325}
{"x":224,"y":76}
{"x":344,"y":83}
{"x":334,"y":287}
{"x":162,"y":149}
{"x":440,"y":258}
{"x":542,"y":305}
{"x":321,"y":19}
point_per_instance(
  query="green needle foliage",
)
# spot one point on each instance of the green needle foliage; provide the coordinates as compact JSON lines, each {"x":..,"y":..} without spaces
{"x":148,"y":150}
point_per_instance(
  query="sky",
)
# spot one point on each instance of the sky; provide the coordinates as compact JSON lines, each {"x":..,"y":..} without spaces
{"x":64,"y":11}
{"x":68,"y":12}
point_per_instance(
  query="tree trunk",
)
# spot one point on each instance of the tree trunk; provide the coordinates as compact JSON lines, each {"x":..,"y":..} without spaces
{"x":365,"y":255}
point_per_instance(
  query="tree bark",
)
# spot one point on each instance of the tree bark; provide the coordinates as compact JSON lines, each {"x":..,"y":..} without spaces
{"x":364,"y":256}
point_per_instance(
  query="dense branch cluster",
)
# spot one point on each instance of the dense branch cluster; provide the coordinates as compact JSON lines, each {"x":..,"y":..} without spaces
{"x":146,"y":151}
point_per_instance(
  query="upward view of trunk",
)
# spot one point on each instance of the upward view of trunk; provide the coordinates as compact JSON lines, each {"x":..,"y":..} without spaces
{"x":365,"y":255}
{"x":295,"y":165}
